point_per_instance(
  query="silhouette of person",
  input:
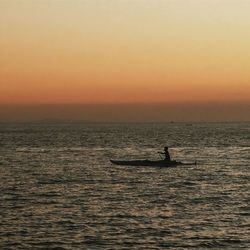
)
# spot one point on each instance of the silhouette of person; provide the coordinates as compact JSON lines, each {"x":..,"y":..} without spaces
{"x":166,"y":153}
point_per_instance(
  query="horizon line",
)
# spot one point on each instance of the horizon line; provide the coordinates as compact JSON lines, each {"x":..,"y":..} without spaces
{"x":127,"y":103}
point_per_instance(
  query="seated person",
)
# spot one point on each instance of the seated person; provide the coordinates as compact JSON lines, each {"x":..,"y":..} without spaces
{"x":166,"y":153}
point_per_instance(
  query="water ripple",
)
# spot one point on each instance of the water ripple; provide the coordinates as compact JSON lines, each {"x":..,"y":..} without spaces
{"x":59,"y":190}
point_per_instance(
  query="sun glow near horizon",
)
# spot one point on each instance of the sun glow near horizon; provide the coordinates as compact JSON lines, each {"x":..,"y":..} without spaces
{"x":124,"y":51}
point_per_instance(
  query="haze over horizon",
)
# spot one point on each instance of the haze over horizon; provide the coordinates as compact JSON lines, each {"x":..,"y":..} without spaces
{"x":109,"y":60}
{"x":178,"y":112}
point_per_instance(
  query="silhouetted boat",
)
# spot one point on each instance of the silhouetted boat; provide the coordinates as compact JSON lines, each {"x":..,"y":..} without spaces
{"x":160,"y":163}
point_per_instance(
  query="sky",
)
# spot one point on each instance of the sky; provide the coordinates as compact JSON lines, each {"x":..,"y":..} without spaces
{"x":111,"y":53}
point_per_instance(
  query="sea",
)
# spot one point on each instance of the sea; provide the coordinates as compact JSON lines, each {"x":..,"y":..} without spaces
{"x":59,"y":190}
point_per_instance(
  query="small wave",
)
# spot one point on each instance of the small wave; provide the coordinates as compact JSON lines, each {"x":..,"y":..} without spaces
{"x":220,"y":243}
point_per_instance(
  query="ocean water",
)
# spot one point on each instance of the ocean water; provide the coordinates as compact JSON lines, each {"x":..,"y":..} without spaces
{"x":58,"y":189}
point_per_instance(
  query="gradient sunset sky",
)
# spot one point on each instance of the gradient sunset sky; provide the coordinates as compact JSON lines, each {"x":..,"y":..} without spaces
{"x":125,"y":52}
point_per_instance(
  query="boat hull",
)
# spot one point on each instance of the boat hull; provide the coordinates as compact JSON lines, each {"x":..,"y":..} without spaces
{"x":160,"y":163}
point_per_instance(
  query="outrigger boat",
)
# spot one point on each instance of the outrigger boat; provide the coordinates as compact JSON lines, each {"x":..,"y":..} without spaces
{"x":159,"y":163}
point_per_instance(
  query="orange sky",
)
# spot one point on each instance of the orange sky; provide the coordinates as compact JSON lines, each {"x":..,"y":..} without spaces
{"x":126,"y":51}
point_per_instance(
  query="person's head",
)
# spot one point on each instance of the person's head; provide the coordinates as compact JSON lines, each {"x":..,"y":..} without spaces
{"x":165,"y":148}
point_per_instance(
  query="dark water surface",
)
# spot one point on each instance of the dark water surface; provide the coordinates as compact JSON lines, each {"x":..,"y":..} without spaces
{"x":58,"y":189}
